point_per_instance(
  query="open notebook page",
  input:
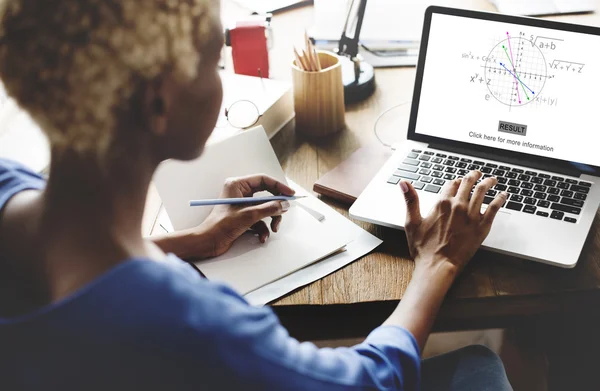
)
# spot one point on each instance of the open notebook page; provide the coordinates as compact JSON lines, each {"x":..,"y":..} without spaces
{"x":248,"y":265}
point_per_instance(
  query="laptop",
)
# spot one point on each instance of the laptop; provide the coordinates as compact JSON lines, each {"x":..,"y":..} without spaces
{"x":515,"y":98}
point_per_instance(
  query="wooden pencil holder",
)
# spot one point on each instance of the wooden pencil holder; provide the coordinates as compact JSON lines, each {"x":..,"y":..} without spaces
{"x":319,"y":97}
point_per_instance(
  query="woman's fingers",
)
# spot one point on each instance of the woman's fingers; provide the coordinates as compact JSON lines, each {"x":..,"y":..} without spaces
{"x":268,"y":209}
{"x":493,"y":208}
{"x":275,"y":222}
{"x":256,"y":214}
{"x":262,"y":182}
{"x":478,"y":194}
{"x":450,"y":188}
{"x":262,"y":231}
{"x":464,"y":190}
{"x":413,"y":210}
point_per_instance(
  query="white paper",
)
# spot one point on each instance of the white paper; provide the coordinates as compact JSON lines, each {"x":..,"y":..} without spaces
{"x":263,"y":92}
{"x":249,"y":152}
{"x":569,"y":6}
{"x":544,"y":7}
{"x":362,"y":243}
{"x":249,"y":265}
{"x":260,"y":91}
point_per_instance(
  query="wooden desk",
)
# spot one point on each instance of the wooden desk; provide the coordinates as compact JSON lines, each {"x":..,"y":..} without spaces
{"x":494,"y":290}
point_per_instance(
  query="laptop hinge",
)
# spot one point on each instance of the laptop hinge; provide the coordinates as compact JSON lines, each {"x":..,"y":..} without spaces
{"x":557,"y":167}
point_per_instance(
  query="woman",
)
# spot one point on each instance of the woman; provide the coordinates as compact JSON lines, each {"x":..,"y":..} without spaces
{"x":87,"y":303}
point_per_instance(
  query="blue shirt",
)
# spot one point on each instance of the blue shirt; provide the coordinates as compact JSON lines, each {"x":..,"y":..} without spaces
{"x":145,"y":325}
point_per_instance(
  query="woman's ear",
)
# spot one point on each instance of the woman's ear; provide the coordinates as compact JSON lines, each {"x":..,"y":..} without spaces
{"x":156,"y":107}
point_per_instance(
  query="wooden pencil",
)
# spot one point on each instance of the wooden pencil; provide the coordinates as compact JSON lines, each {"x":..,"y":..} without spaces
{"x":309,"y":51}
{"x":301,"y":64}
{"x":308,"y":60}
{"x":298,"y":61}
{"x":313,"y":51}
{"x":318,"y":61}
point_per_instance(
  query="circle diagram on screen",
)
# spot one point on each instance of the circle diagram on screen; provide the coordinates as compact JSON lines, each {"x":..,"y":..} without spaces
{"x":515,"y":71}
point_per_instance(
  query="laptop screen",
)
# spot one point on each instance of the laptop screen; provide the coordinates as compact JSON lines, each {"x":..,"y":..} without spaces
{"x":509,"y":86}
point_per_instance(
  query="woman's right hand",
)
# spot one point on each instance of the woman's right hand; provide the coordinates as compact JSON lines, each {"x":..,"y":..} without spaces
{"x":441,"y":244}
{"x":455,"y":228}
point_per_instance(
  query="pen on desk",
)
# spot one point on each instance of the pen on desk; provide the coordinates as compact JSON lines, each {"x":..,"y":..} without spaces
{"x":244,"y":200}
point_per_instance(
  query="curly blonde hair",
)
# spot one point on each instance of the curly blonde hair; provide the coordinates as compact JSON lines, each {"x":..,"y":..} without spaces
{"x":74,"y":65}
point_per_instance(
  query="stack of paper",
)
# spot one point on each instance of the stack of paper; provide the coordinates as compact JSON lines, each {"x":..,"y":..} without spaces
{"x":544,"y":7}
{"x":273,"y":99}
{"x":249,"y":265}
{"x":361,"y":243}
{"x":294,"y":256}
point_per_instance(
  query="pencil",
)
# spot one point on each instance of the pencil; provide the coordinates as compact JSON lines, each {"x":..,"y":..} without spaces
{"x":244,"y":200}
{"x":317,"y":58}
{"x":298,"y":61}
{"x":309,"y":51}
{"x":308,"y":60}
{"x":313,"y":51}
{"x":302,"y":62}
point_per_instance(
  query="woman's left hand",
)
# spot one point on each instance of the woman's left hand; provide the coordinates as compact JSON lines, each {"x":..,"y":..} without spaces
{"x":226,"y":223}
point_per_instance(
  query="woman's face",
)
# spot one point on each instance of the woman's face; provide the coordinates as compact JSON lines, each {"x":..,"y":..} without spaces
{"x":193,"y":108}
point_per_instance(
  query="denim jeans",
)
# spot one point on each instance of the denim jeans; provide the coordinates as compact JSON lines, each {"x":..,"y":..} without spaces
{"x":475,"y":368}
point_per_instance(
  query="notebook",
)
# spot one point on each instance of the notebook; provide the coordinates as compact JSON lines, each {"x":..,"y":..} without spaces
{"x":302,"y":239}
{"x":249,"y":265}
{"x":345,"y":182}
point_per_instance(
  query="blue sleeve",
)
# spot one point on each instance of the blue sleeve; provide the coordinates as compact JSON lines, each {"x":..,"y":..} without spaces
{"x":252,"y":343}
{"x":15,"y":178}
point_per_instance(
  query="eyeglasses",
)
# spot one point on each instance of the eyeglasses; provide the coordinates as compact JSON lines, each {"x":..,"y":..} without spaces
{"x":241,"y":114}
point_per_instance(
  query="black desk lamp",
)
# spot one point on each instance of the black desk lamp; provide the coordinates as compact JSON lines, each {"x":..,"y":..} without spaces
{"x":358,"y":76}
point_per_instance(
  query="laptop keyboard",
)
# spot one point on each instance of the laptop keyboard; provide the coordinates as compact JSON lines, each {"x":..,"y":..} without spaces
{"x":552,"y":196}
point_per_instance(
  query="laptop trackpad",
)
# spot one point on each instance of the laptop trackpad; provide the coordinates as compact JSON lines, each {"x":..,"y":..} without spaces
{"x":500,"y":234}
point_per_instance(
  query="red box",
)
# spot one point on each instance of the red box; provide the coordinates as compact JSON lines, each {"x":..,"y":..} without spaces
{"x":249,"y":50}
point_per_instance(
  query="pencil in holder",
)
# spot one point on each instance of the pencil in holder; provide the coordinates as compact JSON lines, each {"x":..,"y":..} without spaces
{"x":319,"y":97}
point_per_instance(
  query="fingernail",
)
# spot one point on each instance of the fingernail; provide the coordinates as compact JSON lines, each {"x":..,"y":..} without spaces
{"x":285,"y":205}
{"x":277,"y":226}
{"x":505,"y":194}
{"x":403,"y":186}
